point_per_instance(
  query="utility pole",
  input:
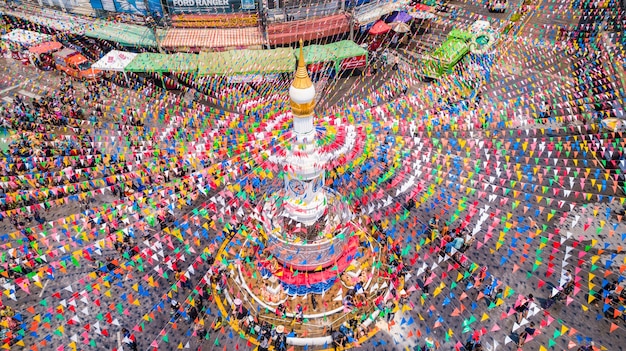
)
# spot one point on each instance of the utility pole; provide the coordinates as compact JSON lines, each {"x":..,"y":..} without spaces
{"x":352,"y":23}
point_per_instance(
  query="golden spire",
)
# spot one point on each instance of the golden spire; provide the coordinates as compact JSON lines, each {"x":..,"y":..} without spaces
{"x":302,"y":91}
{"x":302,"y":80}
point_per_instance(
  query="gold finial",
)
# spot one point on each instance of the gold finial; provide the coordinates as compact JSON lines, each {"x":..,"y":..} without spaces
{"x":302,"y":80}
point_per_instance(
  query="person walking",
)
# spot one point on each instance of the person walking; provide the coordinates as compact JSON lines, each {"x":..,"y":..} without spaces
{"x":522,"y":309}
{"x":129,"y":339}
{"x":528,"y":331}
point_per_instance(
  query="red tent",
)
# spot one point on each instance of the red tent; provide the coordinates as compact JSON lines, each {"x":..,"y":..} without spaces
{"x":308,"y":30}
{"x":380,"y":27}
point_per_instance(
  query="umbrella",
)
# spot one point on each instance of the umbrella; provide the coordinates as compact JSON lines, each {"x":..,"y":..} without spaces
{"x":399,"y":16}
{"x":400,"y":27}
{"x":379,"y":27}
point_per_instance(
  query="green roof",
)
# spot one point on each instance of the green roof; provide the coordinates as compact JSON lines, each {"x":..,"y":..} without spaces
{"x":160,"y":63}
{"x":315,"y":53}
{"x":334,"y":52}
{"x":240,"y":62}
{"x":346,"y":48}
{"x":147,"y":62}
{"x":125,"y":34}
{"x":181,"y":62}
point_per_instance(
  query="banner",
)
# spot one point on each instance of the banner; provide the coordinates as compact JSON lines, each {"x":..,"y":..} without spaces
{"x":70,"y":6}
{"x":134,"y":7}
{"x":353,"y":62}
{"x":210,"y":6}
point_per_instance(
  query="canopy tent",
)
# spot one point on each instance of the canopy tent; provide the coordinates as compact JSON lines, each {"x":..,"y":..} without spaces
{"x":200,"y":39}
{"x":348,"y":54}
{"x":245,"y":62}
{"x":26,"y":38}
{"x":115,"y":61}
{"x":380,"y":27}
{"x":125,"y":34}
{"x":374,"y":11}
{"x":346,"y":49}
{"x":335,"y":53}
{"x":46,"y":47}
{"x":399,"y":16}
{"x":148,"y":62}
{"x":180,"y":62}
{"x":316,"y":54}
{"x":308,"y":30}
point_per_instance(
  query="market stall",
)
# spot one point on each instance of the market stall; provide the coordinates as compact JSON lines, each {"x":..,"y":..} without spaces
{"x":122,"y":33}
{"x":115,"y":61}
{"x":308,"y":30}
{"x":196,"y":39}
{"x":246,"y":65}
{"x":19,"y":40}
{"x":422,"y":17}
{"x":40,"y":54}
{"x":366,"y":15}
{"x":25,"y":38}
{"x":378,"y":34}
{"x":348,"y":55}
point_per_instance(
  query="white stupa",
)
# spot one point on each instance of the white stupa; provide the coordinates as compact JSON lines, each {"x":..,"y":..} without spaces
{"x":306,"y":198}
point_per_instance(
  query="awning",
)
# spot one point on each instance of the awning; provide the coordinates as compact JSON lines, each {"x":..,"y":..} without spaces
{"x":125,"y":34}
{"x":54,"y":19}
{"x":244,"y":62}
{"x":162,"y":63}
{"x":114,"y":61}
{"x":147,"y":62}
{"x":345,"y":49}
{"x":180,"y":62}
{"x":373,"y":13}
{"x":291,"y":32}
{"x":316,"y":54}
{"x":212,"y":38}
{"x":46,"y":47}
{"x":335,"y":53}
{"x":26,"y":37}
{"x":380,"y":27}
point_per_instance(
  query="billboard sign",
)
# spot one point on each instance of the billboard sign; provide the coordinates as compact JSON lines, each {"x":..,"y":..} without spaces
{"x":353,"y":62}
{"x":210,"y":6}
{"x":133,"y":7}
